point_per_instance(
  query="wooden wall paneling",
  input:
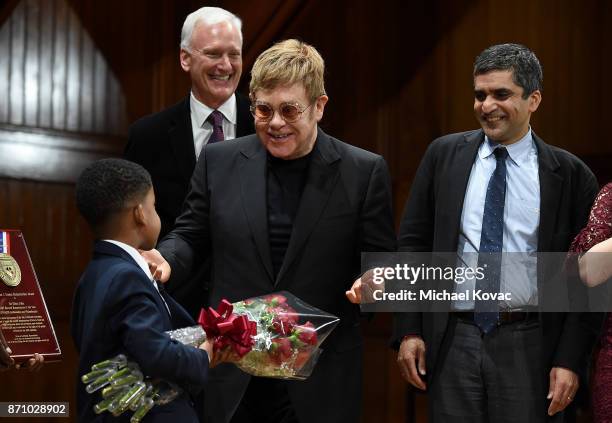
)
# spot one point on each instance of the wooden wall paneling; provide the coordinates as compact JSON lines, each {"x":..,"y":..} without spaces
{"x":463,"y":43}
{"x":168,"y":81}
{"x":53,"y":68}
{"x":5,"y":40}
{"x":547,"y":48}
{"x":261,"y":25}
{"x":583,"y":96}
{"x":378,"y":405}
{"x":136,"y":59}
{"x":114,"y":95}
{"x":6,"y":8}
{"x":86,"y":84}
{"x":399,"y":402}
{"x":50,"y":156}
{"x":428,"y":96}
{"x":17,"y":53}
{"x":31,"y":63}
{"x":99,"y":107}
{"x":59,"y":71}
{"x":73,"y":72}
{"x":56,"y":80}
{"x":45,"y":73}
{"x":385,"y":397}
{"x":559,"y":89}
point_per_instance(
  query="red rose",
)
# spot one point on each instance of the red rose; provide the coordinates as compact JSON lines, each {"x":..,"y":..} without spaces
{"x":301,"y":359}
{"x":281,"y":350}
{"x":283,"y":322}
{"x":275,"y":299}
{"x":307,"y":333}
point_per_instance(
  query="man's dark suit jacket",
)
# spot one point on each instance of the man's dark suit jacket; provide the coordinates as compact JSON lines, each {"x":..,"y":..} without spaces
{"x":345,"y":209}
{"x":163,"y":144}
{"x":431,"y":223}
{"x":117,"y":310}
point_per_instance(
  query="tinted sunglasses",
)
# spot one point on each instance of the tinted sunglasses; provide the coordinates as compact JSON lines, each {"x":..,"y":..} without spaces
{"x":290,"y":112}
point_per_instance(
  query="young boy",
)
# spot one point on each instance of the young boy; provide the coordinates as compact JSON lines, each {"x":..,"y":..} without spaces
{"x":118,"y":308}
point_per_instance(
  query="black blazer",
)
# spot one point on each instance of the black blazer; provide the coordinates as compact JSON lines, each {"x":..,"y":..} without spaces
{"x":345,"y":209}
{"x":432,"y":218}
{"x":117,"y":309}
{"x":163,"y":144}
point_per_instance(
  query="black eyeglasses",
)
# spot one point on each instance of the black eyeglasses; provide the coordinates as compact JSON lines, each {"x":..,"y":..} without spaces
{"x":290,"y":112}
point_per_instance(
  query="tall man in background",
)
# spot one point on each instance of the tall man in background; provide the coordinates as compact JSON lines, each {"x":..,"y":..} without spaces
{"x":169,"y":143}
{"x":492,"y":190}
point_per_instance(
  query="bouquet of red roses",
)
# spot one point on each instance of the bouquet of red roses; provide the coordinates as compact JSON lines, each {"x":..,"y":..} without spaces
{"x":275,"y":335}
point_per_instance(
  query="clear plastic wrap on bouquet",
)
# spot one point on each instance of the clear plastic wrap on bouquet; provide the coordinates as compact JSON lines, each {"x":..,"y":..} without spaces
{"x":276,"y":335}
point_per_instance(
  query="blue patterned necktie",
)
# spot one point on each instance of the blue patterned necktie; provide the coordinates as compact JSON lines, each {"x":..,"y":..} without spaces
{"x":216,"y":120}
{"x":486,"y":312}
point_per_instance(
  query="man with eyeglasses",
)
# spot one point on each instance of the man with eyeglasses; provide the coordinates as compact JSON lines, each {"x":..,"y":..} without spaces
{"x":290,"y":208}
{"x":169,"y":143}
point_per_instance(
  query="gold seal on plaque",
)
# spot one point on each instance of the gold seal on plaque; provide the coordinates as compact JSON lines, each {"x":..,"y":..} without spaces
{"x":10,"y":273}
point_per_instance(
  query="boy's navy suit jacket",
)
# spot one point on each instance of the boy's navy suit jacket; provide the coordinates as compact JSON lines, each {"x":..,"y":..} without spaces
{"x":116,"y":310}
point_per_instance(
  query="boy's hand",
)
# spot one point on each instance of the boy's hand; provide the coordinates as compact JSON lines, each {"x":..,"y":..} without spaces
{"x":208,"y":347}
{"x":226,"y":355}
{"x":159,"y":267}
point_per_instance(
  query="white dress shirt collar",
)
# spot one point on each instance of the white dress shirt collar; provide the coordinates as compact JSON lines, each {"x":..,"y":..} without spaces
{"x":142,"y":263}
{"x":133,"y":252}
{"x":518,"y":151}
{"x":201,"y":111}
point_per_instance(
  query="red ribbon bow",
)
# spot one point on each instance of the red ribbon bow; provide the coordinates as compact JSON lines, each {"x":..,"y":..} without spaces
{"x":228,"y":329}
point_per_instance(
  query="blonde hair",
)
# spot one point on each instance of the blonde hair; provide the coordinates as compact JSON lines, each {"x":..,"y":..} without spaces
{"x":286,"y":63}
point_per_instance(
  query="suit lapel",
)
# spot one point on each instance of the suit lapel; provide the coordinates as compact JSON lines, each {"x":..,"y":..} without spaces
{"x":178,"y":316}
{"x":459,"y":174}
{"x":107,"y":248}
{"x":244,"y":125}
{"x":110,"y":249}
{"x":551,"y":188}
{"x":181,"y":140}
{"x":322,"y":176}
{"x":253,"y":191}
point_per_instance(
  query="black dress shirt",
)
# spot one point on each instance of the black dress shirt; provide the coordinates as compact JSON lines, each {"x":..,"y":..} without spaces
{"x":285,"y":179}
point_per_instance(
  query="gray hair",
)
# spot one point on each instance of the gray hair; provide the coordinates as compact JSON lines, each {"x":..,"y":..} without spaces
{"x":209,"y":16}
{"x":525,"y":66}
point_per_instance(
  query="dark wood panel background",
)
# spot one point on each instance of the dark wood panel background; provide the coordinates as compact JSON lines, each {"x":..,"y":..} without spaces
{"x":52,"y":74}
{"x":398,"y":75}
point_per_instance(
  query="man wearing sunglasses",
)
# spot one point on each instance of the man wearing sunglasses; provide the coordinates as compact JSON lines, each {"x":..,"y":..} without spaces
{"x":168,"y":143}
{"x":290,"y":208}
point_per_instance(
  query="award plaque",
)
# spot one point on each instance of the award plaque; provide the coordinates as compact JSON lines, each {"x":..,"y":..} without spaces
{"x":24,"y":319}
